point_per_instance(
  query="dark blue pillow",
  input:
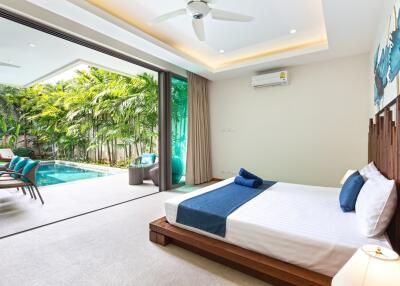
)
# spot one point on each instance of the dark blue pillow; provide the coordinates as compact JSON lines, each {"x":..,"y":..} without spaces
{"x":349,"y":193}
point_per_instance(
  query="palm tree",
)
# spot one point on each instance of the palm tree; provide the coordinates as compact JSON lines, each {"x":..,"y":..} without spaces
{"x":78,"y":118}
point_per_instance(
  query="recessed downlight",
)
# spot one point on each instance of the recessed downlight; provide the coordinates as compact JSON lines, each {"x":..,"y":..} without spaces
{"x":293,"y":31}
{"x":221,"y":51}
{"x":32,"y":45}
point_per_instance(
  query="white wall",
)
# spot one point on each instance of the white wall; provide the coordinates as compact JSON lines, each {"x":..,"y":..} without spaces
{"x":309,"y":132}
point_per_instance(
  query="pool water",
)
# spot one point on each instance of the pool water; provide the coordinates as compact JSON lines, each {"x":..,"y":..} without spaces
{"x":51,"y":174}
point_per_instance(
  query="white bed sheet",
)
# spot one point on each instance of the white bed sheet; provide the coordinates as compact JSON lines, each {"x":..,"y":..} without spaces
{"x":299,"y":224}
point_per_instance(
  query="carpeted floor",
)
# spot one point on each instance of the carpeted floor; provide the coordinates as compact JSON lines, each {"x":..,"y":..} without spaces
{"x":19,"y":212}
{"x":108,"y":247}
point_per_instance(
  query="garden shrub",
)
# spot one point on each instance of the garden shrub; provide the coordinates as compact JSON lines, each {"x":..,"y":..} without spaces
{"x":24,"y":152}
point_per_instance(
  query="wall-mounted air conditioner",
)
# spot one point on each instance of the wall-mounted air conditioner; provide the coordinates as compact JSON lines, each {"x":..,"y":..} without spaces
{"x":270,"y":79}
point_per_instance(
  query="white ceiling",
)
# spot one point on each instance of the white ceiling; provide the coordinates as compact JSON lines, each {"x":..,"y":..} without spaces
{"x":269,"y":30}
{"x":349,"y":28}
{"x":50,"y":56}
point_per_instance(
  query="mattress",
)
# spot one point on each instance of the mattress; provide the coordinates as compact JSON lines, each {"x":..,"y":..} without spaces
{"x":299,"y":224}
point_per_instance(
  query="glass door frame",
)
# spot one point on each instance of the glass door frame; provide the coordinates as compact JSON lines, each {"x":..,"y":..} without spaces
{"x":165,"y":128}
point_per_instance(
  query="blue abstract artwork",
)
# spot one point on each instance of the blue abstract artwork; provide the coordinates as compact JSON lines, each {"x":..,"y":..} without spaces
{"x":387,"y":62}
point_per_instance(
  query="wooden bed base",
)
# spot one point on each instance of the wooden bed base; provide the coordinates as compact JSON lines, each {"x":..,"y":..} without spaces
{"x":260,"y":266}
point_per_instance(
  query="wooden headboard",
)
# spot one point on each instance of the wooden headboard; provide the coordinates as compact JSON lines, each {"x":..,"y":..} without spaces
{"x":384,"y":151}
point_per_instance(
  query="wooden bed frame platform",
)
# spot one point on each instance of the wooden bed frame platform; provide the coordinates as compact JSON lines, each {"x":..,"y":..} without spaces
{"x":383,"y":150}
{"x":255,"y":264}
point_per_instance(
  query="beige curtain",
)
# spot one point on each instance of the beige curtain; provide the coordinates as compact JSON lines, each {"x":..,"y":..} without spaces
{"x":198,"y":165}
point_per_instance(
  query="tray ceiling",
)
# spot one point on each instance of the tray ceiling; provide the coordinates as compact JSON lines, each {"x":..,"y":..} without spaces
{"x":267,"y":35}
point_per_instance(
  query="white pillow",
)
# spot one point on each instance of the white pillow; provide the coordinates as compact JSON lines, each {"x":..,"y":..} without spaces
{"x":376,"y":205}
{"x":369,"y":171}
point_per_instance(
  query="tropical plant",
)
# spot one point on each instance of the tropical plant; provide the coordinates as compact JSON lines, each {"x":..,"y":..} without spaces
{"x":24,"y":152}
{"x":97,"y":115}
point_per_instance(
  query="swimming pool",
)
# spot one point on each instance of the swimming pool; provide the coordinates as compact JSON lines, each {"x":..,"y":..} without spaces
{"x":55,"y":173}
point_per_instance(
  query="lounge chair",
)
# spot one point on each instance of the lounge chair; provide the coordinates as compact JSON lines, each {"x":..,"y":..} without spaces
{"x":25,"y":179}
{"x":11,"y":166}
{"x":5,"y":167}
{"x":6,"y":154}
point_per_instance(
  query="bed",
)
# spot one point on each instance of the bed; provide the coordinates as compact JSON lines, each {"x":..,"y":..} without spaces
{"x":291,"y":234}
{"x":288,"y":222}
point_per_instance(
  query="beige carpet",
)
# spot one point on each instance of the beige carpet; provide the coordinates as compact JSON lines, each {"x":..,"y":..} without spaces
{"x":108,"y":247}
{"x":19,"y":212}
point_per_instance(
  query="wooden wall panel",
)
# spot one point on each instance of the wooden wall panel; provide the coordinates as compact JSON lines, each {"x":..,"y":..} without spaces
{"x":384,"y":151}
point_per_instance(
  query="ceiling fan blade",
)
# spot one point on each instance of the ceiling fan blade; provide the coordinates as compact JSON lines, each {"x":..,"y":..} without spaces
{"x":9,"y":65}
{"x":168,"y":16}
{"x":198,"y":27}
{"x":229,"y":16}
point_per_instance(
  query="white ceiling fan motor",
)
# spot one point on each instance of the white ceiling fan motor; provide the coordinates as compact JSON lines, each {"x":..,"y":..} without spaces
{"x":198,"y":9}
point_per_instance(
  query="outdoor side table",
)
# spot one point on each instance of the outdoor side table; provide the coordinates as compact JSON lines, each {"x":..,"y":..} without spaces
{"x":136,"y":175}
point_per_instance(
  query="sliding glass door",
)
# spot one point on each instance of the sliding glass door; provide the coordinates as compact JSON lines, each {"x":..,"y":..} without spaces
{"x":179,"y":129}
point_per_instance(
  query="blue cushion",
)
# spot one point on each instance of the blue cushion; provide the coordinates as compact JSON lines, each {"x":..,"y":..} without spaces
{"x":350,"y":190}
{"x":148,"y":159}
{"x":252,"y":183}
{"x":14,"y":162}
{"x":247,"y":175}
{"x":19,"y":167}
{"x":28,"y":167}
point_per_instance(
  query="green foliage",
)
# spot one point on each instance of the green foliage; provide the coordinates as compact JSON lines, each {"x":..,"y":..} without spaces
{"x":24,"y":152}
{"x":97,"y":112}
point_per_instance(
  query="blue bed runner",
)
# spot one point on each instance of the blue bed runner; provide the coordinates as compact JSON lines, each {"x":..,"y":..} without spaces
{"x":210,"y":210}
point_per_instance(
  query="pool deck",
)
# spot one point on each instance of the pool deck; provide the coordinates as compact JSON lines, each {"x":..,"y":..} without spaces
{"x":19,"y":212}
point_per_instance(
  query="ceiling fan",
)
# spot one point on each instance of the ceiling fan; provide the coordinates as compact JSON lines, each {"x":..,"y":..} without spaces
{"x":2,"y":64}
{"x":198,"y":10}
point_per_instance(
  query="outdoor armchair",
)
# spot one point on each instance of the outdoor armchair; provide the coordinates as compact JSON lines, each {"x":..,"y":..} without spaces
{"x":148,"y":162}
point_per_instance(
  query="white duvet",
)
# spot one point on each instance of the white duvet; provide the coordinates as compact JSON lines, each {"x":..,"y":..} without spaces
{"x":299,"y":224}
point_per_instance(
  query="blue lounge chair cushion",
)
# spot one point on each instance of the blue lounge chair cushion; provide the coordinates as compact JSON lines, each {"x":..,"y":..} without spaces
{"x":30,"y":165}
{"x":14,"y":162}
{"x":148,"y":159}
{"x":19,"y":167}
{"x":252,"y":183}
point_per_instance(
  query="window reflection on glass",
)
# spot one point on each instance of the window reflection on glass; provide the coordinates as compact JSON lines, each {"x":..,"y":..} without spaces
{"x":179,"y":115}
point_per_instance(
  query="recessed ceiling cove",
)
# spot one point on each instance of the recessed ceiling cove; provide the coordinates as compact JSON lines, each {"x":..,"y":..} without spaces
{"x":263,"y":28}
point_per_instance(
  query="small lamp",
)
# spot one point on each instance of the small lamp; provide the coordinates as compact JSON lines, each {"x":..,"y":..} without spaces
{"x":371,"y":265}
